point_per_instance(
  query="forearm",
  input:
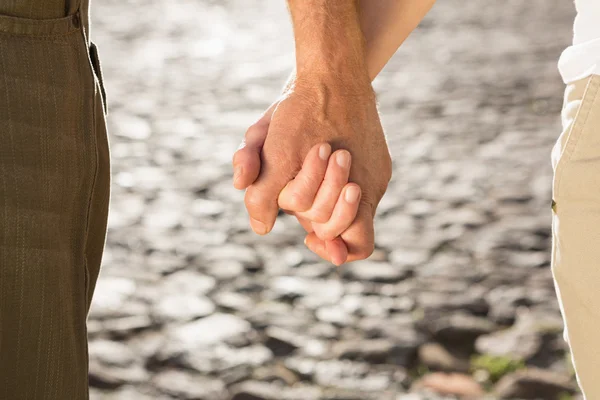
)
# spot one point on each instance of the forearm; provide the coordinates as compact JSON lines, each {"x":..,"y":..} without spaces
{"x":329,"y":41}
{"x":386,"y":24}
{"x":342,"y":36}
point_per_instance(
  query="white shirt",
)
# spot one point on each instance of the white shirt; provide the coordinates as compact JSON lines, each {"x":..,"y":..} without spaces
{"x":582,"y":59}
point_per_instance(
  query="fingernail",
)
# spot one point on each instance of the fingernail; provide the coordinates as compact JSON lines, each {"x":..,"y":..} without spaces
{"x":258,"y":227}
{"x":305,"y":240}
{"x":343,"y":159}
{"x":237,"y":173}
{"x":352,"y":194}
{"x":324,"y":152}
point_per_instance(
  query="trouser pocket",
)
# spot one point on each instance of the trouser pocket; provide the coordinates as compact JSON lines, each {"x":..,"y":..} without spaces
{"x":577,"y":152}
{"x":38,"y":9}
{"x":50,"y":29}
{"x":98,"y":71}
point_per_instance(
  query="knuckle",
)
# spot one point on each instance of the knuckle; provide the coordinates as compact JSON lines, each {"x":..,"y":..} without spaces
{"x":299,"y":202}
{"x":254,"y":199}
{"x":254,"y":131}
{"x":240,"y":156}
{"x":319,"y":215}
{"x":368,"y":201}
{"x":311,"y":182}
{"x":326,"y":233}
{"x":318,"y":230}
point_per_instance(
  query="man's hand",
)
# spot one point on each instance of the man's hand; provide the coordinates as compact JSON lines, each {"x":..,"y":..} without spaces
{"x":318,"y":112}
{"x":330,"y":102}
{"x":320,"y":190}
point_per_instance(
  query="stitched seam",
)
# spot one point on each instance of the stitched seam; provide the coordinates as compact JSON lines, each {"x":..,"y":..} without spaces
{"x":10,"y":24}
{"x":92,"y":191}
{"x":33,"y":36}
{"x":33,"y":21}
{"x":577,"y":129}
{"x":55,"y":348}
{"x":593,"y":88}
{"x":93,"y":188}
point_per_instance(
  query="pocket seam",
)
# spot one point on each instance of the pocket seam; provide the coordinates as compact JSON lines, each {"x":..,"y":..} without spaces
{"x":33,"y":37}
{"x":39,"y":28}
{"x":577,"y":130}
{"x":97,"y":68}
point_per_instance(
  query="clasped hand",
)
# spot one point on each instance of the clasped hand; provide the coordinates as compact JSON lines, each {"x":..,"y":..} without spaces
{"x":320,"y":154}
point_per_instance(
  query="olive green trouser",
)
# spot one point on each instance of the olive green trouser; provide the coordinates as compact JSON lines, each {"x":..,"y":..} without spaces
{"x":54,"y":193}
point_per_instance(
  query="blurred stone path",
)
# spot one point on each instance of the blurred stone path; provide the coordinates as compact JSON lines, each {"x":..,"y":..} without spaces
{"x":458,"y":297}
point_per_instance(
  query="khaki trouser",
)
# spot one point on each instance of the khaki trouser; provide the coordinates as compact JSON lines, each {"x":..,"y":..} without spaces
{"x":576,"y":228}
{"x":54,"y":192}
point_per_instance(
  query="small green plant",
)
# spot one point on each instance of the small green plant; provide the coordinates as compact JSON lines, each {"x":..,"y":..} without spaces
{"x":565,"y":396}
{"x":496,"y":366}
{"x":422,"y":370}
{"x":569,"y":363}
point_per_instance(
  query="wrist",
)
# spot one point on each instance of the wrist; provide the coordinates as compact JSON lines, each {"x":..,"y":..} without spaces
{"x":329,"y":41}
{"x":321,"y":87}
{"x":344,"y":65}
{"x":341,"y":65}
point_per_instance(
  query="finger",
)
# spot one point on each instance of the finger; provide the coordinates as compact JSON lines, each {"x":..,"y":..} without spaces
{"x":306,"y":224}
{"x":317,"y":246}
{"x":246,"y":167}
{"x":337,"y":250}
{"x":277,"y":170}
{"x":246,"y":160}
{"x":299,"y":193}
{"x":343,"y":214}
{"x":262,"y":208}
{"x":338,"y":170}
{"x":334,"y":251}
{"x":360,"y":236}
